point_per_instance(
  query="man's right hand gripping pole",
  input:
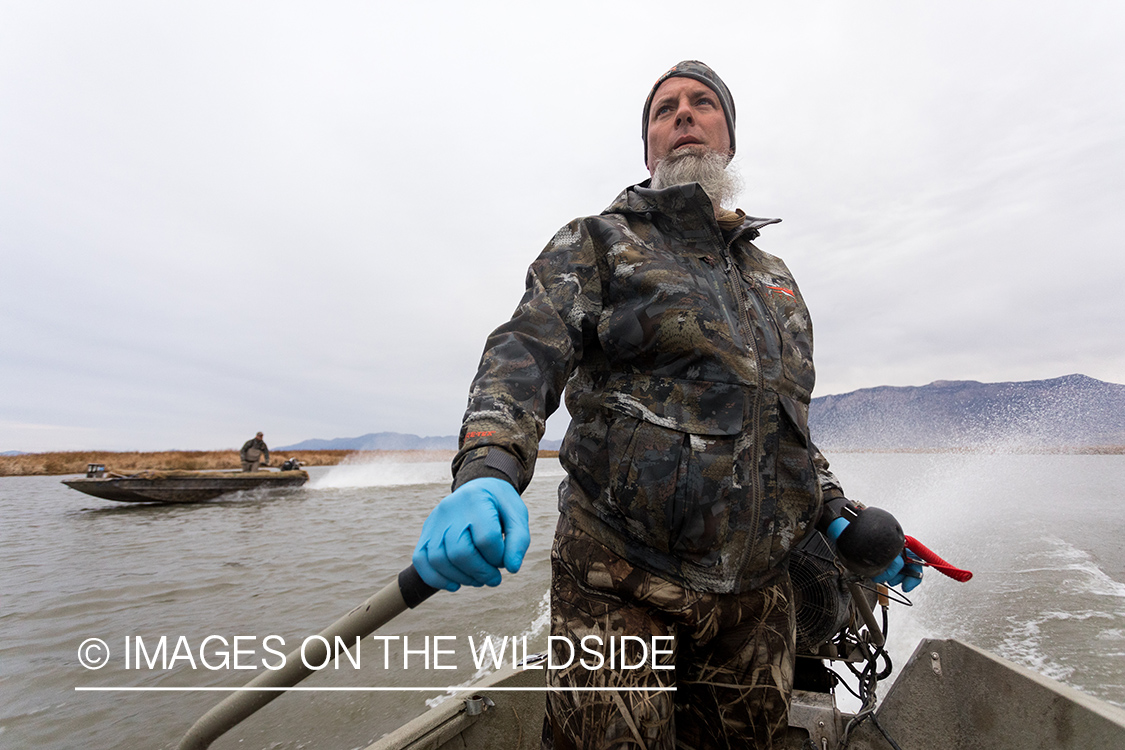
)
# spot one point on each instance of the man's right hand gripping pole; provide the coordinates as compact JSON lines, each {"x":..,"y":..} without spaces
{"x":477,"y":529}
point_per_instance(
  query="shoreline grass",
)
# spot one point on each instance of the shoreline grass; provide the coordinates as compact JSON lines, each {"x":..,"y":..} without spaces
{"x":124,"y":462}
{"x":127,"y":462}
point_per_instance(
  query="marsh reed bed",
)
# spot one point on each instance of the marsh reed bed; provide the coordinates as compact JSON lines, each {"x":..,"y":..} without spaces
{"x":74,"y":462}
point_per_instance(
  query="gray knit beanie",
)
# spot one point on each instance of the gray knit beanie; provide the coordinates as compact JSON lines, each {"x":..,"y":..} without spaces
{"x":703,"y":74}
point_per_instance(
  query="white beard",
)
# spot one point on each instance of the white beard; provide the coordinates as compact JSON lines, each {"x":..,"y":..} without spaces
{"x":710,"y":169}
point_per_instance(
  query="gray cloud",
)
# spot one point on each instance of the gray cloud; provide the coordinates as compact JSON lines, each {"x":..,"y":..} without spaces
{"x":216,"y":219}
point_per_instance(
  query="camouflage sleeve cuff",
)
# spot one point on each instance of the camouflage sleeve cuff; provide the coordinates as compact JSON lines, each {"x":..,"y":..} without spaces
{"x":831,"y":493}
{"x":835,"y":508}
{"x":496,"y":463}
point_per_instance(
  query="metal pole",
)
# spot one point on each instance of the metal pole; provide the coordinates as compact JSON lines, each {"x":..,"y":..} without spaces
{"x":408,"y":591}
{"x":873,"y":629}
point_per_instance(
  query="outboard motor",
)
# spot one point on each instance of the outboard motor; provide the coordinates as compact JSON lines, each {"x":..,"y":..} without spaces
{"x":291,"y":464}
{"x":872,"y":540}
{"x":835,"y":600}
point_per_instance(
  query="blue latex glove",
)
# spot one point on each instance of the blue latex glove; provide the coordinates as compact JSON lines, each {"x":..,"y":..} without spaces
{"x":905,"y":570}
{"x":836,"y":528}
{"x":479,"y":528}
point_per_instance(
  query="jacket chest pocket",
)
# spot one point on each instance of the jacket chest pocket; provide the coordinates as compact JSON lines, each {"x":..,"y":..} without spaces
{"x":663,"y":308}
{"x":785,"y":320}
{"x":671,"y":448}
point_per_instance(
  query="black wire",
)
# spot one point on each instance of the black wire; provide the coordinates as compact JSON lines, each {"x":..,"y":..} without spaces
{"x":884,"y":732}
{"x":890,"y":593}
{"x":859,"y":719}
{"x":868,"y":681}
{"x":843,"y":682}
{"x":889,"y":668}
{"x":882,"y":651}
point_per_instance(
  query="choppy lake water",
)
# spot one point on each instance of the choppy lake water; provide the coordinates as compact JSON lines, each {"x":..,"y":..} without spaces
{"x":1041,"y":533}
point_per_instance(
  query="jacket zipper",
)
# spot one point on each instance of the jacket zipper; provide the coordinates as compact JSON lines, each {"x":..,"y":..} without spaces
{"x":763,"y":308}
{"x":735,"y":280}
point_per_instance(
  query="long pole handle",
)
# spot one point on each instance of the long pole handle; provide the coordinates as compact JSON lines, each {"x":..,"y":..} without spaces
{"x":932,"y":559}
{"x":407,"y":592}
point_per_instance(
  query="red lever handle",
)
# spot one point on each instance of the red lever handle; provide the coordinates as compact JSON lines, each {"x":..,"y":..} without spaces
{"x":932,"y":559}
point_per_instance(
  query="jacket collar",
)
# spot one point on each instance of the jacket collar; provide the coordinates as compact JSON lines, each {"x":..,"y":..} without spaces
{"x":678,"y":202}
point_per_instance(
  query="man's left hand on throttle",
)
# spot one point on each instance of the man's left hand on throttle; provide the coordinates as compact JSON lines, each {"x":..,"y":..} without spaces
{"x":905,"y":570}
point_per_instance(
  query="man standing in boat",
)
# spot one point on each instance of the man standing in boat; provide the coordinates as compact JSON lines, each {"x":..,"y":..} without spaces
{"x":254,"y":453}
{"x":686,"y":357}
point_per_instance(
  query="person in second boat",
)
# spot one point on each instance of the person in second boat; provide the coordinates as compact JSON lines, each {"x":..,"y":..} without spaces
{"x":255,"y":453}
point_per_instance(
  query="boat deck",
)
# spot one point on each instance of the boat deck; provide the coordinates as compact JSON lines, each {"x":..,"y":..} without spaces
{"x":950,"y":695}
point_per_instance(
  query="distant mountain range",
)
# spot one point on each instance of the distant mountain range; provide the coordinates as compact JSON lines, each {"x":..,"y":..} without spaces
{"x":376,"y":441}
{"x":1069,"y":412}
{"x":391,"y":441}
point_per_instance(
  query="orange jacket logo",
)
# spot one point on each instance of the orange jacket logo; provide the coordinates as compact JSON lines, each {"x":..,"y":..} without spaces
{"x":490,"y":433}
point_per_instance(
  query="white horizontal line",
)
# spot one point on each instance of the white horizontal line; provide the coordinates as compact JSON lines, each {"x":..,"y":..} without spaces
{"x":441,"y":689}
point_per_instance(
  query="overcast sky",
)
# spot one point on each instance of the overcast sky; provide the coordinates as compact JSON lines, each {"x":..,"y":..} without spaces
{"x":223,"y":217}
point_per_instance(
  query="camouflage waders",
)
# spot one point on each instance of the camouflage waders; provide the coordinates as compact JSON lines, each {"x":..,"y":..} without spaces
{"x":254,"y":452}
{"x":734,"y":655}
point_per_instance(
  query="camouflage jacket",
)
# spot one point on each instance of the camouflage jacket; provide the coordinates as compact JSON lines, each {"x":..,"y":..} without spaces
{"x":253,"y":450}
{"x":686,"y":355}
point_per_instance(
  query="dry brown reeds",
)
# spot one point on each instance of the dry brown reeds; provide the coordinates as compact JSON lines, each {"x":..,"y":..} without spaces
{"x":74,"y":462}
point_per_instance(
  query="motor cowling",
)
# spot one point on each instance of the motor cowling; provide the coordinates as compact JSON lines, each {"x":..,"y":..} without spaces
{"x":871,"y":541}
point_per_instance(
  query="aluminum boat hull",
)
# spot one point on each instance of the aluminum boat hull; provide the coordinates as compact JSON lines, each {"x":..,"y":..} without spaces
{"x":950,"y":696}
{"x":182,"y":486}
